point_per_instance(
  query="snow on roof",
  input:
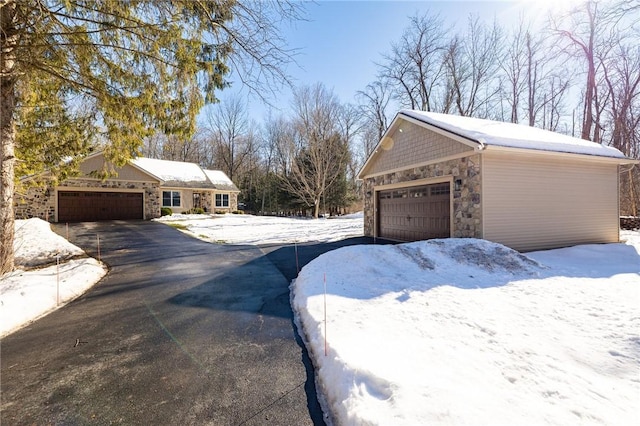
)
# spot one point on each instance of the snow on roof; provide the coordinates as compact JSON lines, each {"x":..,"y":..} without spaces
{"x":168,"y":171}
{"x":512,"y":135}
{"x":182,"y":174}
{"x":220,"y":180}
{"x":217,"y":176}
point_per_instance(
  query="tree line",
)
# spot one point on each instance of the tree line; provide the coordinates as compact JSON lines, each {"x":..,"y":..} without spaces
{"x":132,"y":77}
{"x":578,"y":73}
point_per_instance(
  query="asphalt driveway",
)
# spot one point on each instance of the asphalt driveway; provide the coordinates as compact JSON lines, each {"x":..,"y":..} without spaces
{"x":179,"y":332}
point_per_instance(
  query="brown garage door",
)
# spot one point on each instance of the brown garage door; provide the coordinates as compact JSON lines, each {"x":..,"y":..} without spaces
{"x":416,"y":213}
{"x":85,"y":206}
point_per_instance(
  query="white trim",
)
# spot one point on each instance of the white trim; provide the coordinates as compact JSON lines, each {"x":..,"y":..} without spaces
{"x":458,"y":138}
{"x":162,"y":190}
{"x":559,"y":154}
{"x":422,"y":164}
{"x":222,"y":194}
{"x":480,"y":146}
{"x":482,"y":203}
{"x":375,"y":150}
{"x":396,"y":124}
{"x":92,"y":179}
{"x":90,"y":189}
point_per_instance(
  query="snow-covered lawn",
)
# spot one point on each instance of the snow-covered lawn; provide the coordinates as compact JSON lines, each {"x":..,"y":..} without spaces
{"x":40,"y":285}
{"x":248,"y":229}
{"x":465,"y":331}
{"x":439,"y":332}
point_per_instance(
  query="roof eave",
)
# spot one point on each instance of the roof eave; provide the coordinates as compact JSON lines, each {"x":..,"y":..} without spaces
{"x":464,"y":139}
{"x":145,"y":171}
{"x":396,"y":124}
{"x":588,"y":157}
{"x":359,"y":176}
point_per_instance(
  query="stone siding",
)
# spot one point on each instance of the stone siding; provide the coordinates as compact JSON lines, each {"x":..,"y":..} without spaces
{"x":233,"y":201}
{"x":41,"y":202}
{"x":467,"y":207}
{"x":35,"y":202}
{"x":629,"y":223}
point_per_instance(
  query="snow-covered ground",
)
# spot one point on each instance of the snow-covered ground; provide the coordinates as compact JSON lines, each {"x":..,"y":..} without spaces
{"x":439,"y":332}
{"x":40,"y":285}
{"x":465,"y":331}
{"x":248,"y":229}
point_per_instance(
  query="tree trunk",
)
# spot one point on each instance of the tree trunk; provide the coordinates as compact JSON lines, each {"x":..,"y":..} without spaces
{"x":590,"y":89}
{"x":9,"y":39}
{"x":632,"y":193}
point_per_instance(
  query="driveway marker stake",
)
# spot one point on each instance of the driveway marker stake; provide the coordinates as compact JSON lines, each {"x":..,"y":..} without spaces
{"x":325,"y":314}
{"x":295,"y":245}
{"x":57,"y":280}
{"x":67,"y":231}
{"x":98,"y":236}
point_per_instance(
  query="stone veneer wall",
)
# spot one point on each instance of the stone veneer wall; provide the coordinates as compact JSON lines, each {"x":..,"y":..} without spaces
{"x":40,"y":202}
{"x":630,"y":223}
{"x":467,"y":209}
{"x":207,"y":201}
{"x":35,"y":202}
{"x":233,"y":201}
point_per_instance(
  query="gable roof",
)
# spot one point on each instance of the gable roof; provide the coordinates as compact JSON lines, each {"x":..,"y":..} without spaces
{"x":220,"y":180}
{"x":496,"y":133}
{"x":182,"y":174}
{"x":480,"y":134}
{"x":174,"y":173}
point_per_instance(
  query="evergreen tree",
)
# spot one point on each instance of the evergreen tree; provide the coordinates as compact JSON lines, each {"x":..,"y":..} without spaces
{"x":75,"y":72}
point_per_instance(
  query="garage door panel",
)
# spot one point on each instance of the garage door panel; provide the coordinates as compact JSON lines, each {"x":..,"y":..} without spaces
{"x":80,"y":206}
{"x":411,"y":214}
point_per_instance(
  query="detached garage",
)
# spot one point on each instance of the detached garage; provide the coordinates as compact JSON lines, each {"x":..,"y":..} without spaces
{"x":436,"y":176}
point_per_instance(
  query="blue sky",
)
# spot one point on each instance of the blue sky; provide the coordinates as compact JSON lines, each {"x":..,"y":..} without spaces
{"x":341,"y":40}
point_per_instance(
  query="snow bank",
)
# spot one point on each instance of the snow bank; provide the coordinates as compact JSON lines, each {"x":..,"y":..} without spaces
{"x":26,"y":295}
{"x":35,"y":244}
{"x":471,"y":332}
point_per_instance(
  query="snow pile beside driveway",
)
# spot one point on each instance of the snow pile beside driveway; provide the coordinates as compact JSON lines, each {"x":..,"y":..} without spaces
{"x":464,"y":331}
{"x":31,"y":291}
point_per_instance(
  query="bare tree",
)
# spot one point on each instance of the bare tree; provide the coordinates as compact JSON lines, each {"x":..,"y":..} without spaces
{"x":514,"y":66}
{"x":374,"y":106}
{"x":259,"y":52}
{"x":231,"y":136}
{"x":621,"y":80}
{"x":581,"y":36}
{"x":374,"y":109}
{"x":413,"y":68}
{"x":472,"y":66}
{"x":315,"y":152}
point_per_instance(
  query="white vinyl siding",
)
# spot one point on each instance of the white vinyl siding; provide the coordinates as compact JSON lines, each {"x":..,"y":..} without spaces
{"x":538,"y":202}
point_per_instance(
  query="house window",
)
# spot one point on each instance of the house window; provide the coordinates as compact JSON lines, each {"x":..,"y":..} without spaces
{"x":222,"y":200}
{"x":170,"y":198}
